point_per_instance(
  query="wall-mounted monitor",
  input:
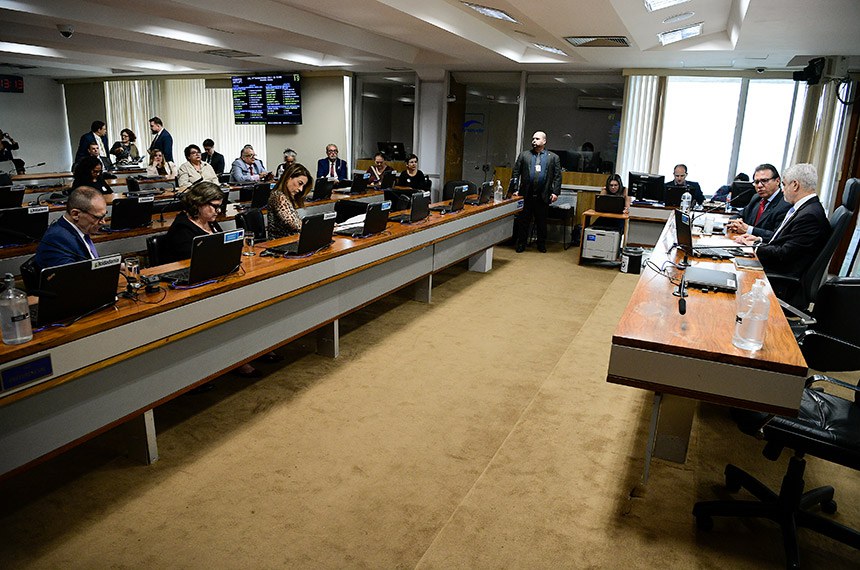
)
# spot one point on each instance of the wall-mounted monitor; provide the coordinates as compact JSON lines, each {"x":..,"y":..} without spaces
{"x":392,"y":150}
{"x":646,"y":186}
{"x":267,"y":99}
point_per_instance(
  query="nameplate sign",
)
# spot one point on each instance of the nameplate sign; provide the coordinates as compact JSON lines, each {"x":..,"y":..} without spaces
{"x":26,"y":372}
{"x":105,"y":262}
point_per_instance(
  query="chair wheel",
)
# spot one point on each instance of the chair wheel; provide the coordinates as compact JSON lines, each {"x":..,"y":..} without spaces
{"x":829,"y":507}
{"x":704,"y":522}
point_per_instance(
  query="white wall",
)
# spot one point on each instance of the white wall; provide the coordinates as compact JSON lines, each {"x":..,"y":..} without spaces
{"x":36,"y":119}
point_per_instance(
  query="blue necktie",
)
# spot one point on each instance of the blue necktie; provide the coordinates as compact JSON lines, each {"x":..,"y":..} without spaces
{"x":91,"y":245}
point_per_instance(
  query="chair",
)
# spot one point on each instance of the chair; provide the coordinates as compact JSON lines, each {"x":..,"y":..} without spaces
{"x":830,"y":339}
{"x":252,"y":221}
{"x":448,"y":189}
{"x":155,"y":250}
{"x":800,"y":292}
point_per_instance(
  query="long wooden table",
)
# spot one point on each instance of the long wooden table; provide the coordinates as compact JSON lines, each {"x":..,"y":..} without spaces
{"x":684,"y":358}
{"x":119,"y":364}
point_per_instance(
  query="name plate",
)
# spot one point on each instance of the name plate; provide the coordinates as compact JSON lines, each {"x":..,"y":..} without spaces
{"x":26,"y":372}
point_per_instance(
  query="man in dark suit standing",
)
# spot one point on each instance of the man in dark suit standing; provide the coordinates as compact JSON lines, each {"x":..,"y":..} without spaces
{"x":767,"y":209}
{"x":804,"y":231}
{"x":215,"y":159}
{"x":97,"y":136}
{"x":333,"y":168}
{"x":69,"y":238}
{"x":538,"y":172}
{"x":163,"y":141}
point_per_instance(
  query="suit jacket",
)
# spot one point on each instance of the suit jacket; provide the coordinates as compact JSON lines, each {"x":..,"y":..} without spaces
{"x":693,"y":188}
{"x":164,"y":143}
{"x":551,"y":181}
{"x":83,"y":145}
{"x":61,"y":245}
{"x":794,"y":248}
{"x":339,"y":167}
{"x":772,"y":216}
{"x":241,"y":170}
{"x":216,"y":161}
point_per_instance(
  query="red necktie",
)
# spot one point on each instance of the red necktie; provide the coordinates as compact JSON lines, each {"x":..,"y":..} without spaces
{"x":331,"y":169}
{"x":251,"y":170}
{"x":761,"y":206}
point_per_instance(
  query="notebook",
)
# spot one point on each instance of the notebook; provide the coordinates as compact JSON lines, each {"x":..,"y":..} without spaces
{"x":130,"y":213}
{"x":418,"y":210}
{"x":22,"y":225}
{"x":11,"y":197}
{"x":316,"y":234}
{"x":606,"y":204}
{"x":460,"y":193}
{"x":485,"y":194}
{"x":71,"y":291}
{"x":375,"y":220}
{"x":700,"y":278}
{"x":212,"y":256}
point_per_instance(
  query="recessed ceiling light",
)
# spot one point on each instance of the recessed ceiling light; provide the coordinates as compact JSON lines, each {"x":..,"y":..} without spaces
{"x":679,"y":17}
{"x":494,"y":13}
{"x":652,"y":5}
{"x":673,"y":36}
{"x":549,"y":49}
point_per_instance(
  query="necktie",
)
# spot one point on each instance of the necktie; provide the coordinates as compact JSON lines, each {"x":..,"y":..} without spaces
{"x":783,"y":224}
{"x":251,"y":169}
{"x":331,"y":169}
{"x":761,"y":207}
{"x":91,"y":246}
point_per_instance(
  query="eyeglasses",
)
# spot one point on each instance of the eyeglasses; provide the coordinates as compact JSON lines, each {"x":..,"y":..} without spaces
{"x":214,"y":204}
{"x":763,"y":181}
{"x":96,"y":218}
{"x":331,"y":150}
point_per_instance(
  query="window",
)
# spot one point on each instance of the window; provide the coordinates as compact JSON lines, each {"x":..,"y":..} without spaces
{"x":767,"y":124}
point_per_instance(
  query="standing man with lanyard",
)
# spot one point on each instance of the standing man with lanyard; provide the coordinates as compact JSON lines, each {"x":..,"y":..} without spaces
{"x":163,"y":141}
{"x":539,"y":175}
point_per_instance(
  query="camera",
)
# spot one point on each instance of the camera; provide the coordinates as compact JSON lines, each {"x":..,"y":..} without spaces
{"x":66,"y":30}
{"x":759,"y":70}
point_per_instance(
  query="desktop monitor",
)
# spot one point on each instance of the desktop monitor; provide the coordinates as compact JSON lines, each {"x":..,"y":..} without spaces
{"x":646,"y":186}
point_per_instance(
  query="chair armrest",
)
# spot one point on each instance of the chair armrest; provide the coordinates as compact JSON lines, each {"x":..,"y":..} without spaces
{"x":822,"y":378}
{"x":806,"y":320}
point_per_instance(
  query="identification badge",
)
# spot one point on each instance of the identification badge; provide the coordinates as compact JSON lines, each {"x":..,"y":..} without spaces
{"x":329,"y":215}
{"x":537,"y":167}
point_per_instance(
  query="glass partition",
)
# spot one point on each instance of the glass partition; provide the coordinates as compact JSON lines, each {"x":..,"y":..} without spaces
{"x":384,"y":111}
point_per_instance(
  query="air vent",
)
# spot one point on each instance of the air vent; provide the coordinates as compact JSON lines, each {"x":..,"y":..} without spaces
{"x":116,"y":71}
{"x":229,"y":53}
{"x":598,"y":41}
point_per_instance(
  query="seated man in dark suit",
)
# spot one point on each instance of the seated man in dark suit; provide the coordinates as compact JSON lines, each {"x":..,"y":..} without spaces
{"x":767,"y":209}
{"x":332,"y":167}
{"x":680,"y":179}
{"x":215,"y":159}
{"x":68,"y":239}
{"x":804,"y":231}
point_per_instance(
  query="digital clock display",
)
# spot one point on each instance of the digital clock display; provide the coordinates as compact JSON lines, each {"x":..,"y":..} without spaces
{"x":11,"y":84}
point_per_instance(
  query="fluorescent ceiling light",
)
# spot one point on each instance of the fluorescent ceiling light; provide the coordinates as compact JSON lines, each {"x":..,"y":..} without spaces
{"x":673,"y":36}
{"x":180,"y":35}
{"x":27,"y":49}
{"x":159,"y":66}
{"x":491,"y":12}
{"x":549,"y":49}
{"x":652,"y":5}
{"x":679,"y":17}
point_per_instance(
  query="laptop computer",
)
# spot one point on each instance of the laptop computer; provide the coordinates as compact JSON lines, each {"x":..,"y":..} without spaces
{"x":375,"y":220}
{"x":68,"y":292}
{"x":672,"y":195}
{"x":322,"y":190}
{"x":713,"y":279}
{"x":460,"y":193}
{"x":260,"y":195}
{"x":683,"y":232}
{"x":388,"y":179}
{"x":606,"y":204}
{"x":130,"y":213}
{"x":315,"y":235}
{"x":359,"y":184}
{"x":485,"y":194}
{"x":22,"y":225}
{"x":11,"y":197}
{"x":418,"y":210}
{"x":135,"y":191}
{"x":212,"y":256}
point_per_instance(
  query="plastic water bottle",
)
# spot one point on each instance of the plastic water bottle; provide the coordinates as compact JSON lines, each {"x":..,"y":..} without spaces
{"x":14,"y":314}
{"x":751,"y":320}
{"x":686,"y":201}
{"x":498,"y":195}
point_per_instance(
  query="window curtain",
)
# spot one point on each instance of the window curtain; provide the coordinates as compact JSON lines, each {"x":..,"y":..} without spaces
{"x":641,"y":124}
{"x":191,"y":113}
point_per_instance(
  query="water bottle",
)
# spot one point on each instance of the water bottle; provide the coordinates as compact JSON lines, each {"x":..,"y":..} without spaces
{"x":498,"y":195}
{"x":14,"y":314}
{"x":728,"y":204}
{"x":686,"y":201}
{"x":751,"y":321}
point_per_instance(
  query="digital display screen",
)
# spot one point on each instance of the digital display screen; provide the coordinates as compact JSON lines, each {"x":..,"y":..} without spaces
{"x":11,"y":84}
{"x":267,"y":99}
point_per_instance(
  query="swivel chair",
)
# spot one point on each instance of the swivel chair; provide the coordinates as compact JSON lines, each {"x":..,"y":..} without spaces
{"x":155,"y":250}
{"x":252,"y":221}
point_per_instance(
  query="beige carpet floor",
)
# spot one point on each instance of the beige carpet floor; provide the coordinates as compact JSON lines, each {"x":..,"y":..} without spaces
{"x":474,"y":432}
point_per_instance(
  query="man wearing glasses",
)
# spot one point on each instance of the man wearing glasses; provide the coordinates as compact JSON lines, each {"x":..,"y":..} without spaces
{"x":69,"y":238}
{"x":333,"y":168}
{"x":767,"y":209}
{"x":247,"y":168}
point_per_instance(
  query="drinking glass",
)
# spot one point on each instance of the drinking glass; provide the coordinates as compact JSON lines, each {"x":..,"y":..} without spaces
{"x":249,"y":245}
{"x":132,"y":268}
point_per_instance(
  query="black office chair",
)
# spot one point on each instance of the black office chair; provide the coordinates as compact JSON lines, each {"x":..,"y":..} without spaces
{"x":224,"y":178}
{"x":800,"y":292}
{"x":155,"y":250}
{"x":448,"y":189}
{"x":253,"y":221}
{"x":830,"y":336}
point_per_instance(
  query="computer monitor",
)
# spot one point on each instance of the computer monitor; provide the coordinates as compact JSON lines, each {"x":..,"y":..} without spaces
{"x":646,"y":186}
{"x":392,"y":150}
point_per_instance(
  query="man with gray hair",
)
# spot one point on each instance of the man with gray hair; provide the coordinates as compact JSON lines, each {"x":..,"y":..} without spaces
{"x":69,"y":238}
{"x":248,"y":168}
{"x":804,"y":231}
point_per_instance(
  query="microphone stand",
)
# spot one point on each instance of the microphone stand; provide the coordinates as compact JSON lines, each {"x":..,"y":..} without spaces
{"x":681,"y":293}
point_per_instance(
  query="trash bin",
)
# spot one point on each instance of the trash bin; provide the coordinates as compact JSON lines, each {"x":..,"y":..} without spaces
{"x":631,"y":260}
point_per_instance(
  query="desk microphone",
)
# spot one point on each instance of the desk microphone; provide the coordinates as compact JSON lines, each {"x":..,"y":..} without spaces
{"x":681,"y":293}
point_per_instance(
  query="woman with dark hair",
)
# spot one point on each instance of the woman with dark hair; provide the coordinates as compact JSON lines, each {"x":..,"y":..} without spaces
{"x":615,"y":187}
{"x":90,"y":172}
{"x":200,"y":207}
{"x":412,"y":176}
{"x":378,"y":169}
{"x":125,"y":150}
{"x":287,"y":197}
{"x":160,"y":166}
{"x":194,"y":170}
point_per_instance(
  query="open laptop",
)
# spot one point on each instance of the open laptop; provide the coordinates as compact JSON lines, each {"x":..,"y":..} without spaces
{"x":606,"y":204}
{"x":316,"y":234}
{"x":485,"y":194}
{"x":135,"y":191}
{"x":212,"y":256}
{"x":388,"y":179}
{"x":322,"y":190}
{"x":418,"y":210}
{"x":68,"y":292}
{"x":260,"y":195}
{"x":375,"y":220}
{"x":11,"y":197}
{"x":672,"y":195}
{"x":130,"y":213}
{"x":22,"y":225}
{"x":460,"y":193}
{"x":359,"y":184}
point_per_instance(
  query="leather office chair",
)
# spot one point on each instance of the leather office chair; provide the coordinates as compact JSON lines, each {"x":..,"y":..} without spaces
{"x":800,"y":292}
{"x":448,"y":189}
{"x":253,"y":221}
{"x":155,"y":250}
{"x":830,"y":339}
